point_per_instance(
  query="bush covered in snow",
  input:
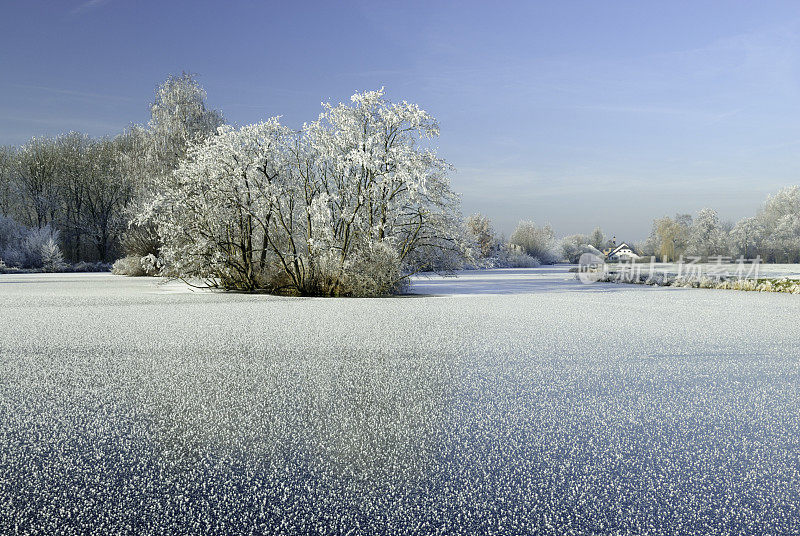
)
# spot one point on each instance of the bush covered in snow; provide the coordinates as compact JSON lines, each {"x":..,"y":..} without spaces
{"x":535,"y":241}
{"x":29,"y":248}
{"x":573,"y":246}
{"x":51,"y":257}
{"x":511,"y":256}
{"x":135,"y":266}
{"x":84,"y":266}
{"x":130,"y":266}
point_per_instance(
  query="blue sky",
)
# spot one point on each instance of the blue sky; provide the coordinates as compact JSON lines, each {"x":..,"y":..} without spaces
{"x":570,"y":113}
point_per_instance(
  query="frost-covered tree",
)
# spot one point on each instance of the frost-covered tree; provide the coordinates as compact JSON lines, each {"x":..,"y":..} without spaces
{"x":597,"y":240}
{"x":7,"y":157}
{"x":785,"y":202}
{"x":36,"y":171}
{"x":665,"y":233}
{"x":784,"y":241}
{"x":51,"y":257}
{"x":669,"y":237}
{"x":479,"y":229}
{"x":178,"y":117}
{"x":777,"y":218}
{"x":573,"y":246}
{"x":684,"y":221}
{"x":538,"y":242}
{"x":706,"y":238}
{"x":746,"y":237}
{"x":348,"y":206}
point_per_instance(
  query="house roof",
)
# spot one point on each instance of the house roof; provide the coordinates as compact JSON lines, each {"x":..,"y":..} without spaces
{"x":619,"y":248}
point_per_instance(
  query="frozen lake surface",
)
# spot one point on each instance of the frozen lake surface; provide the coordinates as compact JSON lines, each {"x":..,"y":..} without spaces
{"x":503,"y":401}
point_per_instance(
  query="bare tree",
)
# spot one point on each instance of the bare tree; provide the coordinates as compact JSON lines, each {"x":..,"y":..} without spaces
{"x":7,"y":157}
{"x":36,"y":167}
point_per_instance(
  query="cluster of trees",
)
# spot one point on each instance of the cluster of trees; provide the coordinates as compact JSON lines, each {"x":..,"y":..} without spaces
{"x":573,"y":246}
{"x":351,"y":204}
{"x":773,"y":233}
{"x":81,"y":192}
{"x":529,"y":245}
{"x":71,"y":187}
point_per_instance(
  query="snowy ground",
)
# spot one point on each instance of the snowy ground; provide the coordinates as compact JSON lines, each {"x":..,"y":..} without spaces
{"x":127,"y":406}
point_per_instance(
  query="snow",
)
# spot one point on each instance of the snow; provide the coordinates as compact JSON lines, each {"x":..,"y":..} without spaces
{"x":501,"y":401}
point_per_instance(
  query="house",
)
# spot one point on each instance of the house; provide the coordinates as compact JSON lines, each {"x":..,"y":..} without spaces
{"x":622,"y":252}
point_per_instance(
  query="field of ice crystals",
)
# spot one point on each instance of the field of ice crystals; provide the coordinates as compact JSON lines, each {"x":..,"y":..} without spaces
{"x":500,"y":402}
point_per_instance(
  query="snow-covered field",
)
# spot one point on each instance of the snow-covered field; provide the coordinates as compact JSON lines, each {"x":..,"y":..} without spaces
{"x":505,"y":401}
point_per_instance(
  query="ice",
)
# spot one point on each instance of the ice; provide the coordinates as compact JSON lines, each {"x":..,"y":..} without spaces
{"x":499,"y":402}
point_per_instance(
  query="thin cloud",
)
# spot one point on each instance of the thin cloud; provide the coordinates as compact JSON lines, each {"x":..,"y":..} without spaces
{"x":88,"y":6}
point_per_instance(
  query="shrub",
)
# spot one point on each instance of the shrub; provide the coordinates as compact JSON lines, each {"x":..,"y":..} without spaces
{"x":375,"y":271}
{"x":522,"y":260}
{"x":141,"y":241}
{"x":13,"y":257}
{"x":50,"y":254}
{"x":22,"y":247}
{"x":151,"y":265}
{"x":538,"y":242}
{"x":40,"y":246}
{"x":511,"y":256}
{"x":11,"y":236}
{"x":11,"y":232}
{"x":130,"y":265}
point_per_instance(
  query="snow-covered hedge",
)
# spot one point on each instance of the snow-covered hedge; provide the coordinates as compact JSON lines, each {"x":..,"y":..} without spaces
{"x":787,"y":285}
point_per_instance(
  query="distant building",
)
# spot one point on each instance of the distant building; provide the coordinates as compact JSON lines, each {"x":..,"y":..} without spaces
{"x":622,"y":252}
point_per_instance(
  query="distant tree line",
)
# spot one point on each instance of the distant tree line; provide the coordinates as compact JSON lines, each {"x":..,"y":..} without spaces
{"x":772,"y":234}
{"x":72,"y":187}
{"x":82,"y":192}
